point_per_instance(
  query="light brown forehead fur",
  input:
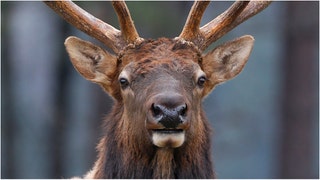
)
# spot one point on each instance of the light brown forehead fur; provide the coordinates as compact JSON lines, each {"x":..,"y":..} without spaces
{"x":175,"y":54}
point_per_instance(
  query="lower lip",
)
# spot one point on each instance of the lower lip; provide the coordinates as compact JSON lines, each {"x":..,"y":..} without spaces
{"x":168,"y":138}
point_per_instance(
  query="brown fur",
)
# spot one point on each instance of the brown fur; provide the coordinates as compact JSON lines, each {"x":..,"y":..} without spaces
{"x":126,"y":151}
{"x":154,"y":67}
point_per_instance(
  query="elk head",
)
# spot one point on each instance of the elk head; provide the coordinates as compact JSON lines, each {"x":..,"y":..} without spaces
{"x":160,"y":83}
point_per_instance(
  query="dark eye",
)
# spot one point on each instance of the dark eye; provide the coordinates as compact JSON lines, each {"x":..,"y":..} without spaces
{"x":201,"y":81}
{"x":123,"y":82}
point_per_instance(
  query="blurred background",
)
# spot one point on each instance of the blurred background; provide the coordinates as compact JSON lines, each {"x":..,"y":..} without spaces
{"x":265,"y":121}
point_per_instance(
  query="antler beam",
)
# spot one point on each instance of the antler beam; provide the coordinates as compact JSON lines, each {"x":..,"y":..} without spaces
{"x":209,"y":33}
{"x":96,"y":28}
{"x":239,"y":12}
{"x":223,"y":21}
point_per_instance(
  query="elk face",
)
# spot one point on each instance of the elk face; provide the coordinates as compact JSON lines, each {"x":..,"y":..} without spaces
{"x":161,"y":83}
{"x":161,"y":98}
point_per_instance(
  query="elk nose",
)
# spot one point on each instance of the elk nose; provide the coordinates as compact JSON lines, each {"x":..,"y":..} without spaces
{"x":169,"y":115}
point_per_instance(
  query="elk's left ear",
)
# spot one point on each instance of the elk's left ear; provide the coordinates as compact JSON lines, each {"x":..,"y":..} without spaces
{"x":226,"y":61}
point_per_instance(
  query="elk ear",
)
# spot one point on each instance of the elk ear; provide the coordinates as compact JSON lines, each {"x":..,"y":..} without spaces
{"x":91,"y":61}
{"x":226,"y":61}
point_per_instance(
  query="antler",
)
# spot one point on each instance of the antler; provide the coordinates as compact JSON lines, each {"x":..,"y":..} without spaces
{"x":207,"y":34}
{"x":128,"y":30}
{"x":96,"y":28}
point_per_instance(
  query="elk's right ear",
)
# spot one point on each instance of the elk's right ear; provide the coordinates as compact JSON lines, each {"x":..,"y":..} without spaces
{"x":91,"y":61}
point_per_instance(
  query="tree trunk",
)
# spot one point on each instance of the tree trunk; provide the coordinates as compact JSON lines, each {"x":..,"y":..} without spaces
{"x":300,"y":93}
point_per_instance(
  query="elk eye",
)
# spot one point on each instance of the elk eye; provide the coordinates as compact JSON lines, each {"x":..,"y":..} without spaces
{"x":201,"y":81}
{"x":123,"y":82}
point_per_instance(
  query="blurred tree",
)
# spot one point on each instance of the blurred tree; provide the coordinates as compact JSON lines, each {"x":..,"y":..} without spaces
{"x":299,"y":155}
{"x":32,"y":68}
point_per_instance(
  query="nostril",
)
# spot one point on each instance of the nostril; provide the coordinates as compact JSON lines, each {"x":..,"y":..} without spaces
{"x":182,"y":110}
{"x":156,"y":110}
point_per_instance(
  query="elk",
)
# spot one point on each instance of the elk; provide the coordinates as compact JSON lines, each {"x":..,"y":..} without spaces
{"x":157,"y":127}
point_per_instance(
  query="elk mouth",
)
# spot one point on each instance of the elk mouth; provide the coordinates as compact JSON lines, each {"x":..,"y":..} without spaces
{"x":168,"y":131}
{"x":168,"y":137}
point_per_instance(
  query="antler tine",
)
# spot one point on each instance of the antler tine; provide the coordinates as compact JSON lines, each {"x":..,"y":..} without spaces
{"x":192,"y":32}
{"x":235,"y":15}
{"x":127,"y":27}
{"x":191,"y":29}
{"x":107,"y":34}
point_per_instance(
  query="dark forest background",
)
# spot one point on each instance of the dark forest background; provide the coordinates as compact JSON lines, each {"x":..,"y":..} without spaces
{"x":265,"y":121}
